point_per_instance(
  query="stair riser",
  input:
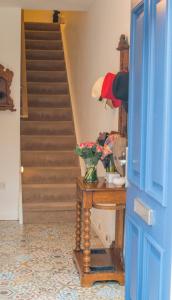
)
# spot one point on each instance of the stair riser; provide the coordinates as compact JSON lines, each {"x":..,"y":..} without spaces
{"x":43,"y":45}
{"x":42,"y":26}
{"x":41,"y":128}
{"x":41,"y":207}
{"x":47,"y":89}
{"x":43,"y":35}
{"x":50,"y":114}
{"x":49,"y":76}
{"x":46,"y":159}
{"x":47,"y":143}
{"x":58,"y":101}
{"x":49,"y":176}
{"x":48,"y":217}
{"x":44,"y":55}
{"x":37,"y":195}
{"x":45,"y":65}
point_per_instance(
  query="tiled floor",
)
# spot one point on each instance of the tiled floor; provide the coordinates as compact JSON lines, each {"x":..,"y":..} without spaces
{"x":36,"y":264}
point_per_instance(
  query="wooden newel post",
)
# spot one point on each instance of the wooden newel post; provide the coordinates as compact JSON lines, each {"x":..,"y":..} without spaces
{"x":123,"y":47}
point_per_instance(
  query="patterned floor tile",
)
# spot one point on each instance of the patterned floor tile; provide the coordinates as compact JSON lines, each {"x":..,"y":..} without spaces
{"x":36,"y":264}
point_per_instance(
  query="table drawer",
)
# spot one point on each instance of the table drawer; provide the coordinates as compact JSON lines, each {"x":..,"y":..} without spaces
{"x":117,"y":197}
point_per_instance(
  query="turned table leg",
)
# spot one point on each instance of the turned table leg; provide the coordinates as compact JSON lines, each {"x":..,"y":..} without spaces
{"x":78,"y":226}
{"x":119,"y":229}
{"x":86,"y":240}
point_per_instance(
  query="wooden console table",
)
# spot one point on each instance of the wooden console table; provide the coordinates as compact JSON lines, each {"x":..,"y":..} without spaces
{"x":99,"y":264}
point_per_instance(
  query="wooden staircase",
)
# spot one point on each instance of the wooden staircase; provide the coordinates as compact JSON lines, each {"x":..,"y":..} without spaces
{"x":47,"y":136}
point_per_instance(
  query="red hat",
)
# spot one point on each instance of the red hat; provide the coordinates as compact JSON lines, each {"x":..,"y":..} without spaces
{"x":106,"y":91}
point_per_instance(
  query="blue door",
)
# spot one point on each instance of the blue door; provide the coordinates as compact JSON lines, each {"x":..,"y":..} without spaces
{"x":148,"y":242}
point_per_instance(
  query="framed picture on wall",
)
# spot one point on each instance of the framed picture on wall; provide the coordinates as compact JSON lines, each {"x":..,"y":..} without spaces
{"x":6,"y":102}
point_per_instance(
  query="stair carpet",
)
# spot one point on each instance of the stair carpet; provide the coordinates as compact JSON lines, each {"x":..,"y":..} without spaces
{"x":48,"y":135}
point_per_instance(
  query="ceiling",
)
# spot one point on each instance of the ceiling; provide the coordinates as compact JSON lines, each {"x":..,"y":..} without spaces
{"x":48,"y":4}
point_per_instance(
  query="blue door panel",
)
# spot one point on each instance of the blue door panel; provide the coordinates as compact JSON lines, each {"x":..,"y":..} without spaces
{"x":148,"y":244}
{"x":156,"y":97}
{"x":156,"y":230}
{"x":133,"y":238}
{"x":136,"y":95}
{"x":152,"y":271}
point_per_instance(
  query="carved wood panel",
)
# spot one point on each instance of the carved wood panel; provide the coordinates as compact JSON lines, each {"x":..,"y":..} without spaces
{"x":123,"y":47}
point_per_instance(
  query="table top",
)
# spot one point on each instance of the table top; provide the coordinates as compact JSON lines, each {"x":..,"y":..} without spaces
{"x":101,"y":185}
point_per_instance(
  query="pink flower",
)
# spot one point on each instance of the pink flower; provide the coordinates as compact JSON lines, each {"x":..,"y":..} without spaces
{"x":90,"y":144}
{"x":87,"y":145}
{"x":82,"y":145}
{"x":99,"y":148}
{"x":106,"y":151}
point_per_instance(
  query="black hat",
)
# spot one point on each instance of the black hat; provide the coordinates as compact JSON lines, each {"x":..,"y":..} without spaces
{"x":120,"y":86}
{"x":2,"y":95}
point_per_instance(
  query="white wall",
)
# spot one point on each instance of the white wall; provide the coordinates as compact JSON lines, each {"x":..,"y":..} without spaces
{"x":45,"y":16}
{"x":48,"y":4}
{"x":91,"y":39}
{"x":10,"y":25}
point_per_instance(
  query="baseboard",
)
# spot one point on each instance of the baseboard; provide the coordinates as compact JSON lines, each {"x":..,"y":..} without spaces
{"x":8,"y":218}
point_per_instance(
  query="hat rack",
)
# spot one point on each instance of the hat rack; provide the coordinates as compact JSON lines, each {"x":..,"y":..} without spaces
{"x":123,"y":47}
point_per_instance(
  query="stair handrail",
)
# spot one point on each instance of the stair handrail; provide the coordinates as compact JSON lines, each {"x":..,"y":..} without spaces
{"x":24,"y":96}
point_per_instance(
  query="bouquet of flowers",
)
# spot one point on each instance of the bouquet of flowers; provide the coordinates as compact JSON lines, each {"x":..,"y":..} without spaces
{"x":107,"y":140}
{"x":91,"y":152}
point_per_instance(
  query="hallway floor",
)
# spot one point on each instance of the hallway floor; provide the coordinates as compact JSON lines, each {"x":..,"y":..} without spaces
{"x":36,"y":264}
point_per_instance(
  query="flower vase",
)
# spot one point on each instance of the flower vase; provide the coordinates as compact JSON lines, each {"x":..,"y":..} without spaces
{"x":91,"y":170}
{"x":111,"y":166}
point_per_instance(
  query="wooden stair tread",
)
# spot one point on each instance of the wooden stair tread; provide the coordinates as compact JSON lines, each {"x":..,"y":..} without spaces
{"x":52,"y":168}
{"x":52,"y":128}
{"x":48,"y":61}
{"x":48,"y":158}
{"x":43,"y":45}
{"x":44,"y":136}
{"x":45,"y":50}
{"x":47,"y":122}
{"x":42,"y":35}
{"x":45,"y":64}
{"x":48,"y":88}
{"x":51,"y":205}
{"x":48,"y":142}
{"x":49,"y":185}
{"x":50,"y":95}
{"x":49,"y":76}
{"x":34,"y":217}
{"x":44,"y":54}
{"x":42,"y":26}
{"x":49,"y":83}
{"x":48,"y":72}
{"x":42,"y":31}
{"x":56,"y":100}
{"x":51,"y":152}
{"x":50,"y":109}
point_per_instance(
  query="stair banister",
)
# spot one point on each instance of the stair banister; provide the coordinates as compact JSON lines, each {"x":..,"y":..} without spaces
{"x":24,"y":96}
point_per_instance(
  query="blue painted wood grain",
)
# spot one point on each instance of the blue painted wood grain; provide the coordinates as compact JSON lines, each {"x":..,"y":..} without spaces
{"x":148,"y":249}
